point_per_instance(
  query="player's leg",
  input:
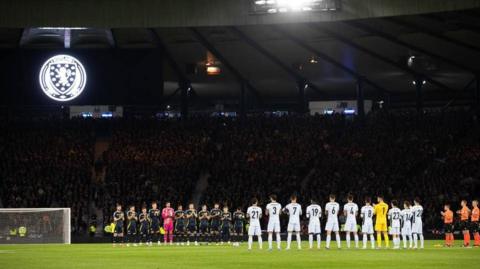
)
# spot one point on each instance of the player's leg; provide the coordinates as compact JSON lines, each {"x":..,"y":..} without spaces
{"x":319,"y":240}
{"x":310,"y":240}
{"x":387,"y":239}
{"x":258,"y":232}
{"x":270,"y":239}
{"x":364,"y":240}
{"x":476,"y":234}
{"x":337,"y":235}
{"x":347,"y":238}
{"x":355,"y":236}
{"x":279,"y":240}
{"x":289,"y":235}
{"x":250,"y":236}
{"x":299,"y":239}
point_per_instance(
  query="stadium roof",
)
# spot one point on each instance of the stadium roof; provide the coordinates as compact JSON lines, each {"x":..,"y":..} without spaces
{"x":329,"y":54}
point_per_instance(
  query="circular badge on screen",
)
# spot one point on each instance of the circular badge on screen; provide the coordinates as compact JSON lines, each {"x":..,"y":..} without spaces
{"x":63,"y":78}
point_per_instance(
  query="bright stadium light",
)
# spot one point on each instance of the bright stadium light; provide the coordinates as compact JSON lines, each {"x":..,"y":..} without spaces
{"x":62,"y":78}
{"x":283,"y":6}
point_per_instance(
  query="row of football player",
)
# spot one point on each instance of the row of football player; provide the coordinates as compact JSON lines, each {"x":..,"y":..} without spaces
{"x":406,"y":222}
{"x":469,"y":222}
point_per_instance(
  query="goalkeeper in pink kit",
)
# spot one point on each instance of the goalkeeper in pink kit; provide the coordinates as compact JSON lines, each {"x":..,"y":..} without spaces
{"x":168,"y":215}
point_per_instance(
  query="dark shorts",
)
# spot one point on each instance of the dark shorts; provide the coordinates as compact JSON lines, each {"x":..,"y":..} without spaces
{"x":155,"y":228}
{"x":475,"y":227}
{"x":203,"y":227}
{"x":215,"y":226}
{"x":464,"y":225}
{"x":225,"y":229}
{"x":179,"y":228}
{"x":192,"y":228}
{"x":144,"y":229}
{"x":448,"y":227}
{"x":238,"y":229}
{"x":118,"y":229}
{"x":132,"y":228}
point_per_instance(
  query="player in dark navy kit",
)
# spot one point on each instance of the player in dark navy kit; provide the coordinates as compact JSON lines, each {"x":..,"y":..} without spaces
{"x":180,"y":234}
{"x":204,"y":218}
{"x":226,"y":225}
{"x":118,"y":219}
{"x":215,"y":223}
{"x":144,"y":230}
{"x":154,"y":214}
{"x":238,"y":226}
{"x":191,"y":216}
{"x":132,"y":226}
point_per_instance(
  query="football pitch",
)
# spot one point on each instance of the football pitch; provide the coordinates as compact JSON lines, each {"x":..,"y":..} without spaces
{"x":91,"y":256}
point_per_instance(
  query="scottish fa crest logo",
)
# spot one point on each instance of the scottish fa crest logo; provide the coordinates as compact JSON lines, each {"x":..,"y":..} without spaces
{"x":63,"y":78}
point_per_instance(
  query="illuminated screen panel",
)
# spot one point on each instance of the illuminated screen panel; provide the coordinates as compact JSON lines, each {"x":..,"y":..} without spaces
{"x":286,"y":6}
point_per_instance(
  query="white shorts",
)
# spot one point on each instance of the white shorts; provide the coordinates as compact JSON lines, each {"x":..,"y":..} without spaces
{"x":332,"y":226}
{"x":273,"y":227}
{"x":350,"y":226}
{"x":367,"y":228}
{"x":293,"y":227}
{"x":395,"y":231}
{"x":254,"y":230}
{"x":314,"y":228}
{"x":417,"y":228}
{"x":407,"y":229}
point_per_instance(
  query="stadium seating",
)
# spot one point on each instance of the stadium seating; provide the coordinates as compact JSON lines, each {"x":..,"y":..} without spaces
{"x":399,"y":155}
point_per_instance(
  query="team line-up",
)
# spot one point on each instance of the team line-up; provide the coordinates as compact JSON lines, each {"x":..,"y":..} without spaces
{"x":220,"y":225}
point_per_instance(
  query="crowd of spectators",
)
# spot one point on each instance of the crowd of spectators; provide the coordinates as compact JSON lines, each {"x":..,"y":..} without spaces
{"x":401,"y":155}
{"x":47,"y":163}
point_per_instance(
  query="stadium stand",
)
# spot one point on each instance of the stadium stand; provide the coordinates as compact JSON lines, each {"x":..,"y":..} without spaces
{"x":152,"y":159}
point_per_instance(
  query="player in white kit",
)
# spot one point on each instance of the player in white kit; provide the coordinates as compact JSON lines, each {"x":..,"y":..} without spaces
{"x":294,"y":210}
{"x":417,"y":224}
{"x":366,"y":213}
{"x":314,"y":213}
{"x":350,"y":210}
{"x":273,"y":211}
{"x":394,"y":217}
{"x":331,"y":210}
{"x":254,"y":213}
{"x":407,"y":225}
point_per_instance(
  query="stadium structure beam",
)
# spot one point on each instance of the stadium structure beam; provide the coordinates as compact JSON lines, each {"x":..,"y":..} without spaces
{"x":466,"y":26}
{"x":477,"y":94}
{"x":360,"y":99}
{"x":183,"y":82}
{"x":241,"y":79}
{"x":242,"y":100}
{"x":112,"y":40}
{"x":381,"y":57}
{"x":293,"y":73}
{"x":392,"y":38}
{"x":427,"y":31}
{"x":419,"y":92}
{"x":329,"y":59}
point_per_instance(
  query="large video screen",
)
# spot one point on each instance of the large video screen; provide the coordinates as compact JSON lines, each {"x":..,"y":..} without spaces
{"x":81,"y":77}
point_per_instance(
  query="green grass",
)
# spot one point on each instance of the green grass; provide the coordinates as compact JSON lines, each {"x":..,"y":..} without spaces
{"x":176,"y":257}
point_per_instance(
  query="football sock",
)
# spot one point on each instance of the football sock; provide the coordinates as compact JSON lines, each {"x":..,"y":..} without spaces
{"x":319,"y":240}
{"x":329,"y":237}
{"x":337,"y":236}
{"x":279,"y":241}
{"x":348,"y":240}
{"x":299,"y":241}
{"x":270,"y":240}
{"x":310,"y":240}
{"x":289,"y":240}
{"x":356,"y":240}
